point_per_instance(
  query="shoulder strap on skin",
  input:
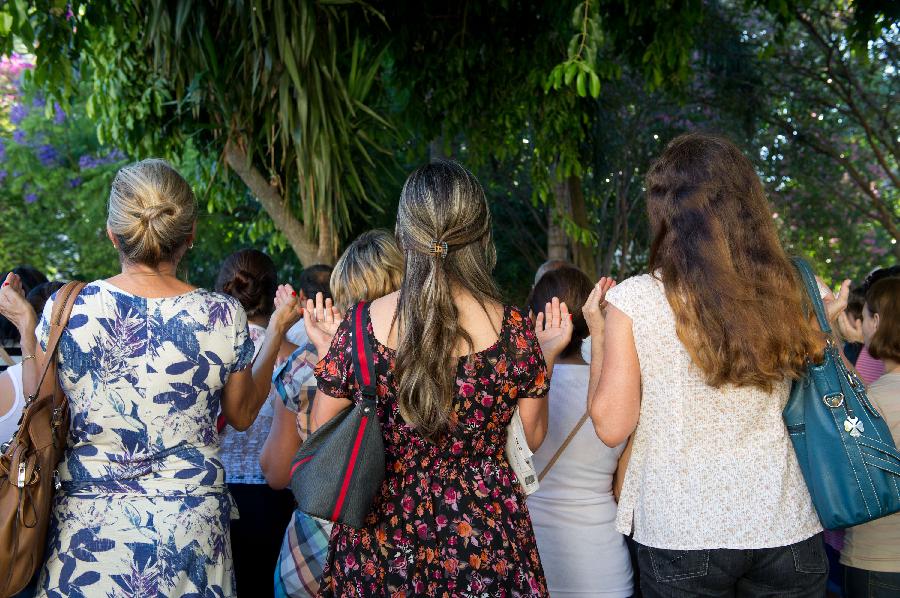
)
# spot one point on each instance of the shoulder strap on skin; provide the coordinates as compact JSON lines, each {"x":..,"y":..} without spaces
{"x":363,"y":363}
{"x":59,"y":318}
{"x":812,"y":289}
{"x":562,"y":447}
{"x":5,"y":358}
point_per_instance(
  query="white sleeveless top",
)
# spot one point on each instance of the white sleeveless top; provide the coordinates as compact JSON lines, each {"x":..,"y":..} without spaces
{"x":10,"y":420}
{"x":573,"y":513}
{"x":710,"y":468}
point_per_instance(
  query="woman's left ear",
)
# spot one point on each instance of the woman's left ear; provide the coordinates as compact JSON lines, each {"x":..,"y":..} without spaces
{"x":193,"y":235}
{"x":876,"y":319}
{"x":112,"y":238}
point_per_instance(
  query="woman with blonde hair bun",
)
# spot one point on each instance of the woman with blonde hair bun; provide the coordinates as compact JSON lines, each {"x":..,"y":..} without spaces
{"x":147,"y":362}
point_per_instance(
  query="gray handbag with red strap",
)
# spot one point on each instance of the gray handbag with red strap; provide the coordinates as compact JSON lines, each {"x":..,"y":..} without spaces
{"x":340,"y":467}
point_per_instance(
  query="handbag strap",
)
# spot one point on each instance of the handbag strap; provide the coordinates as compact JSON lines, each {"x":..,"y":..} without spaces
{"x":562,"y":447}
{"x":59,"y":319}
{"x":812,"y":289}
{"x":363,"y":363}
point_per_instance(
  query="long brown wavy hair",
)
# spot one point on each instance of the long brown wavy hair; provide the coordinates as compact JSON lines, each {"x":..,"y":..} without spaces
{"x":441,"y":202}
{"x":739,"y":304}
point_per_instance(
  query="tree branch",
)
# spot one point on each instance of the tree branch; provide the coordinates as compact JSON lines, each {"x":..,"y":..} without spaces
{"x":274,"y":204}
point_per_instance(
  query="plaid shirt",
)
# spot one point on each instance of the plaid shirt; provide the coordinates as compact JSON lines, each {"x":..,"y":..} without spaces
{"x":305,"y":546}
{"x":295,"y":383}
{"x":302,"y":559}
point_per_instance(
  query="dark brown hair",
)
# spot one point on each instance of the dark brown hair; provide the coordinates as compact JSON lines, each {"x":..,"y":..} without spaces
{"x":883,"y":298}
{"x":250,"y":277}
{"x":855,"y":302}
{"x":739,"y":305}
{"x":571,"y":286}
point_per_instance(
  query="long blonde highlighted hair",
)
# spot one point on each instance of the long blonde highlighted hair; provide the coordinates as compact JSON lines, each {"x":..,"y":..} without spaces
{"x":444,"y":230}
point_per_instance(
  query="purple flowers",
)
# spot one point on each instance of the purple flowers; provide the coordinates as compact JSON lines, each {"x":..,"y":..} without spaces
{"x":31,"y":197}
{"x":86,"y":162}
{"x":19,"y":136}
{"x":17,"y":113}
{"x":75,"y":182}
{"x":59,"y":116}
{"x":47,"y":154}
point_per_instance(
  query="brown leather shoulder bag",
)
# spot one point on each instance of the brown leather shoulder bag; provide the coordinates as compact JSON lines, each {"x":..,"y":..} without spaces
{"x":28,"y":462}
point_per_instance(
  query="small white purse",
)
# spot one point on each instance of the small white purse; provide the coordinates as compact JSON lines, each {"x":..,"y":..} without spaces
{"x":519,"y":455}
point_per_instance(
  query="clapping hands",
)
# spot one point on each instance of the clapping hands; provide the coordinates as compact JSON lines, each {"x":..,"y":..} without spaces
{"x":595,"y":304}
{"x":287,"y":308}
{"x":14,"y":306}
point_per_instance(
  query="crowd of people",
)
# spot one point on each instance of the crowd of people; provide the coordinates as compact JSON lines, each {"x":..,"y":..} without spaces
{"x":652,"y":406}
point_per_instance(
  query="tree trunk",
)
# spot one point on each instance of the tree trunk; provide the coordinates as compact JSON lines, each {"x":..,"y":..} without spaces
{"x":568,"y":203}
{"x":583,"y":255}
{"x":557,"y":243}
{"x":308,"y":251}
{"x":436,"y":149}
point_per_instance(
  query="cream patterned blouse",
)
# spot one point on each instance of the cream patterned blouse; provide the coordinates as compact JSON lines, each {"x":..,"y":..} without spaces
{"x":710,"y":468}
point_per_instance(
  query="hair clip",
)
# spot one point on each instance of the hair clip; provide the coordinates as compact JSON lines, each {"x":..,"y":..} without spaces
{"x":438,"y":248}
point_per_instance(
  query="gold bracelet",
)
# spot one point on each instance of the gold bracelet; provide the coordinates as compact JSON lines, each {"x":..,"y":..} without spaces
{"x":26,"y":358}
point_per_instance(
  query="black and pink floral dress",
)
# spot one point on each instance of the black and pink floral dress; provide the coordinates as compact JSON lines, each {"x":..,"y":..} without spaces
{"x":450,"y":519}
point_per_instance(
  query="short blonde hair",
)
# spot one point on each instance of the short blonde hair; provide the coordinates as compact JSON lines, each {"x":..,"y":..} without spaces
{"x":152,"y":212}
{"x":371,"y":267}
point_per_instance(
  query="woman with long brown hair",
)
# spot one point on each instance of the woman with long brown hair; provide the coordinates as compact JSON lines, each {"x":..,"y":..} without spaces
{"x":703,"y":349}
{"x":452,"y":363}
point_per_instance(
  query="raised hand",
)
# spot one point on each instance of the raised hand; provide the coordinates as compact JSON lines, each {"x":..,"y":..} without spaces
{"x":14,"y":306}
{"x":849,"y":329}
{"x":595,"y":305}
{"x":287,"y":308}
{"x":321,"y":319}
{"x":553,"y":328}
{"x":836,"y":304}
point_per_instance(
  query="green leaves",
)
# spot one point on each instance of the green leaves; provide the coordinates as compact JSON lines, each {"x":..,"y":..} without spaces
{"x":288,"y":79}
{"x":580,"y":65}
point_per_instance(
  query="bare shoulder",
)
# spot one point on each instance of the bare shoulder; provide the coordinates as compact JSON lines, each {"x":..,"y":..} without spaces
{"x":381,"y":312}
{"x":383,"y":308}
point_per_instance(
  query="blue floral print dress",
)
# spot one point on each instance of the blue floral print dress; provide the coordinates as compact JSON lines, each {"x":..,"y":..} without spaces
{"x":143,"y":509}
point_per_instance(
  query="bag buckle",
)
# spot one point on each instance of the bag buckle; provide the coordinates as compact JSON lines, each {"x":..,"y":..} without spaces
{"x":854,"y":380}
{"x":20,"y":481}
{"x":834,"y":400}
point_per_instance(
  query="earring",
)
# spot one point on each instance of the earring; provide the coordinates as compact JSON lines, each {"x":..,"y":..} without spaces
{"x":191,"y":246}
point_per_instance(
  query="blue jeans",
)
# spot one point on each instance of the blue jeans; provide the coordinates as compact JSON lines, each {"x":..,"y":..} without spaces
{"x":798,"y":571}
{"x":860,"y":583}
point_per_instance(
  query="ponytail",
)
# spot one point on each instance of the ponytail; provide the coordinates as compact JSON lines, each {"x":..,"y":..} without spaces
{"x":444,"y":229}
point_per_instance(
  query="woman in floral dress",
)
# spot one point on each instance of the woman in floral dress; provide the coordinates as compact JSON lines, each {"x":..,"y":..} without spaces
{"x":146,"y":362}
{"x":450,"y":518}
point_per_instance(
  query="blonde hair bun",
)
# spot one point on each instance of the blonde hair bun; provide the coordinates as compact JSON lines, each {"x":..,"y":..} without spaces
{"x":152,"y":212}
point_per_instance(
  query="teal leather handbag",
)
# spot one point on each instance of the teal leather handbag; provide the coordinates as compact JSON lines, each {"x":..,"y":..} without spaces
{"x":845,"y":449}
